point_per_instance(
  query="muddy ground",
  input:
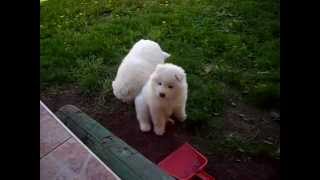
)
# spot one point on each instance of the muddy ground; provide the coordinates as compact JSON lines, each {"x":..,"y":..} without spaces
{"x":240,"y":119}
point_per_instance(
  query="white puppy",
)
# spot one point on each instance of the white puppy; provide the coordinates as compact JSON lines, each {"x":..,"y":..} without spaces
{"x":136,"y":68}
{"x":164,"y":95}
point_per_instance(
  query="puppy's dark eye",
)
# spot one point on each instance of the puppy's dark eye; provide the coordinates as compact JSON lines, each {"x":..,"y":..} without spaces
{"x":170,"y":87}
{"x":159,"y":83}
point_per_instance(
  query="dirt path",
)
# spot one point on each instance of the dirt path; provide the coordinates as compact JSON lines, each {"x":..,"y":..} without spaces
{"x":120,"y":119}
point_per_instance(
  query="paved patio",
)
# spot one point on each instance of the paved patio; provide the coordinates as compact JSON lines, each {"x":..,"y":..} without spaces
{"x":63,"y":156}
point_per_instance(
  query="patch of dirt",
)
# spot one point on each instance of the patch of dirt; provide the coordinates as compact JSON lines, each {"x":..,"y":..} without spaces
{"x":251,"y":123}
{"x":235,"y":167}
{"x":120,"y":119}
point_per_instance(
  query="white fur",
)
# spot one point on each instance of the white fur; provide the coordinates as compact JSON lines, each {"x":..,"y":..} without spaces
{"x":150,"y":105}
{"x":136,"y":68}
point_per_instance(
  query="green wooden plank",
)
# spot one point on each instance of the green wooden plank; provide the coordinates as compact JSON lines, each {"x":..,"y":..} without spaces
{"x":124,"y":160}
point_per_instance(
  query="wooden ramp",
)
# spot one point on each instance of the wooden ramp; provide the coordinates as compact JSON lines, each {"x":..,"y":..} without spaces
{"x":125,"y":161}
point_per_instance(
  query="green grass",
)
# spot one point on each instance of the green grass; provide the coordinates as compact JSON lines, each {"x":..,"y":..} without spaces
{"x":236,"y":145}
{"x":220,"y":43}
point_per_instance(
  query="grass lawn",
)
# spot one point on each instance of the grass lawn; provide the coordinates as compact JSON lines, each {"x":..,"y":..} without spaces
{"x":227,"y":47}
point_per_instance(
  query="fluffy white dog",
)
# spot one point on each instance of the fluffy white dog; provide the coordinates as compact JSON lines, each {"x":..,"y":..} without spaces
{"x":136,"y":68}
{"x":164,"y":95}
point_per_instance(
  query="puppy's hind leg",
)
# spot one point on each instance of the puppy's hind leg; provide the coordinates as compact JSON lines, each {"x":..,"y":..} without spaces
{"x":180,"y":113}
{"x":142,"y":114}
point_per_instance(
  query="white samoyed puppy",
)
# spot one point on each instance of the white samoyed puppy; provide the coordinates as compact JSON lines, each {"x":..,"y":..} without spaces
{"x":163,"y":95}
{"x":136,"y":68}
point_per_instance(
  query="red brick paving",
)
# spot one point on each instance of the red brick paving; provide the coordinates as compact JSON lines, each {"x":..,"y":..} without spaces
{"x":63,"y":157}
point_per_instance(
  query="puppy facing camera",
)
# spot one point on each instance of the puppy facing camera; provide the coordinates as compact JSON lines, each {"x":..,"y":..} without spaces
{"x":136,"y":68}
{"x":164,"y":94}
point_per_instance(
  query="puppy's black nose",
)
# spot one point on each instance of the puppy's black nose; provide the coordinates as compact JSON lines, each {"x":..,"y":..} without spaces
{"x":162,"y":95}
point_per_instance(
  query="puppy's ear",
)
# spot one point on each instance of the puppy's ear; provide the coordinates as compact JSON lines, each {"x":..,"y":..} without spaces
{"x":179,"y":77}
{"x":165,"y":55}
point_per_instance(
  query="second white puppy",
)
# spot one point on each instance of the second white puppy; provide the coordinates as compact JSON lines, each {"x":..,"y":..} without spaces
{"x":136,"y":68}
{"x":164,"y":95}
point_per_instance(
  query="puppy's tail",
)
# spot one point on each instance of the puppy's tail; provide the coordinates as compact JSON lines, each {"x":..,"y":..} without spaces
{"x":117,"y":90}
{"x":121,"y":93}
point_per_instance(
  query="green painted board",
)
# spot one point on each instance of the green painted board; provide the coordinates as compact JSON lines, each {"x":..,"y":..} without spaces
{"x":125,"y":161}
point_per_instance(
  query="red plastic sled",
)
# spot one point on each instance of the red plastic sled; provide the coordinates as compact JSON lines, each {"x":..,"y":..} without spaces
{"x":185,"y":163}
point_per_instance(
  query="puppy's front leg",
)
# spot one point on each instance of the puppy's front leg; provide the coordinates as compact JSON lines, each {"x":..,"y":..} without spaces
{"x":142,"y":114}
{"x":159,"y":121}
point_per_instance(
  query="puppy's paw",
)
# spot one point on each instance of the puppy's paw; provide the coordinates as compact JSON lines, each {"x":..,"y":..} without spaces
{"x":171,"y":121}
{"x":126,"y":100}
{"x":159,"y":131}
{"x":182,"y":118}
{"x":145,"y":127}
